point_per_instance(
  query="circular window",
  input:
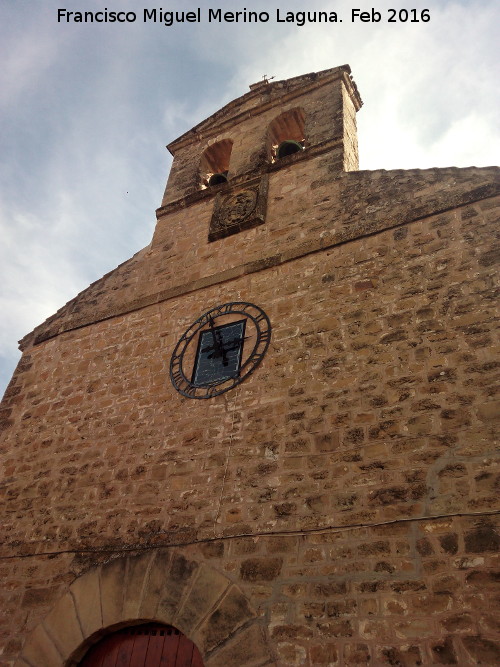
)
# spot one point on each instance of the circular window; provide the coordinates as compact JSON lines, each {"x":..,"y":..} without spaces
{"x":150,"y":645}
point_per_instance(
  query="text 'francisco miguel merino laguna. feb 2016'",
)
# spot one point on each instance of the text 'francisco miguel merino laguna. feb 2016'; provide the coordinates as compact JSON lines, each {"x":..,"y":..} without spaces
{"x":208,"y":15}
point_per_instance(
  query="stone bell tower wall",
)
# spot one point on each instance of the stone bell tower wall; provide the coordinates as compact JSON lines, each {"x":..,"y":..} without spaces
{"x":328,"y":101}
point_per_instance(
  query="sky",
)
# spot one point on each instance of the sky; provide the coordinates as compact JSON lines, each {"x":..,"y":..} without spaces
{"x":86,"y":110}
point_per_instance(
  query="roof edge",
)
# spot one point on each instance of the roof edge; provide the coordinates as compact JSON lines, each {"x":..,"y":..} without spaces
{"x":290,"y":87}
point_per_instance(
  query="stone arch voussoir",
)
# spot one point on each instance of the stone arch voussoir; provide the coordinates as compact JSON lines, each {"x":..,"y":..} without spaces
{"x":163,"y":586}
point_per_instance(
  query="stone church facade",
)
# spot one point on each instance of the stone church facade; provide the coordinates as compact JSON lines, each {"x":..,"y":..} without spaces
{"x":334,"y":499}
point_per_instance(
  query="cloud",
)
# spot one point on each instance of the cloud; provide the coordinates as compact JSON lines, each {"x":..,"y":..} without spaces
{"x":27,"y":51}
{"x":417,"y":80}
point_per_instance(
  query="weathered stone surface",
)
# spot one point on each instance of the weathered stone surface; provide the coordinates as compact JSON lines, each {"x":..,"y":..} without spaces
{"x":86,"y":593}
{"x":112,"y":591}
{"x":403,"y":656}
{"x":247,"y":648}
{"x":444,"y":652}
{"x":458,"y":623}
{"x":137,"y":574}
{"x":38,"y":597}
{"x":483,"y":538}
{"x":40,"y":651}
{"x":282,"y":632}
{"x":260,"y":569}
{"x":449,"y":543}
{"x":116,"y":290}
{"x":63,"y":626}
{"x":176,"y":585}
{"x":206,"y":589}
{"x":291,"y":654}
{"x":157,"y":580}
{"x":232,"y":612}
{"x":325,"y":654}
{"x":483,"y":651}
{"x":356,"y":654}
{"x":484,"y":580}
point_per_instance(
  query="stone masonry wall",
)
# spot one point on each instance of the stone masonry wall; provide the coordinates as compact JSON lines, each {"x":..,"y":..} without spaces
{"x":310,"y":208}
{"x":348,"y":488}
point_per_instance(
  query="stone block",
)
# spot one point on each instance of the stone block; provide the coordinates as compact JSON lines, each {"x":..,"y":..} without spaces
{"x":482,"y":539}
{"x":489,"y":411}
{"x":336,"y":628}
{"x":86,"y":592}
{"x":356,"y":654}
{"x":40,"y":650}
{"x":39,"y":597}
{"x":207,"y":587}
{"x":113,"y":577}
{"x":158,"y":577}
{"x":402,"y":656}
{"x":137,"y":573}
{"x":63,"y":627}
{"x":488,"y":580}
{"x":375,"y":629}
{"x":292,"y":655}
{"x":232,"y":612}
{"x":483,"y":651}
{"x":458,"y":623}
{"x":325,"y":653}
{"x":248,"y":647}
{"x":413,"y":629}
{"x":444,"y":652}
{"x":261,"y":569}
{"x":177,"y":584}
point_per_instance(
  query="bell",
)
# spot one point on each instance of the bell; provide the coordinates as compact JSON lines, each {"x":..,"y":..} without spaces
{"x":288,"y":147}
{"x":217,"y":179}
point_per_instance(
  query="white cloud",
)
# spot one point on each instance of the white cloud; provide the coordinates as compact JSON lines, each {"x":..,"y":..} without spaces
{"x":417,"y":80}
{"x":25,"y":56}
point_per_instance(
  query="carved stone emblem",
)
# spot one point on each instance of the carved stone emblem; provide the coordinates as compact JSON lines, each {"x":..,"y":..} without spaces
{"x":238,"y":210}
{"x":238,"y":207}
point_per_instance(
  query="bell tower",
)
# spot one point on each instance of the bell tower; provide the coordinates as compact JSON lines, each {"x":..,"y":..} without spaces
{"x":315,"y":110}
{"x":227,"y":169}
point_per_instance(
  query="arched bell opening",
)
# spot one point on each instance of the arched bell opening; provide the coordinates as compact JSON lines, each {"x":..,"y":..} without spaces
{"x":214,"y":163}
{"x":145,"y":645}
{"x":286,"y":134}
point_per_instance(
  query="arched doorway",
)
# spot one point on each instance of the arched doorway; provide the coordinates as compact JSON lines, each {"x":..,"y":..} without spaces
{"x":160,"y":584}
{"x":151,"y":645}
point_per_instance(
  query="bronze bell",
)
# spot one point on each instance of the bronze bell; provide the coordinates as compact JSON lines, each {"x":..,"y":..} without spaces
{"x":288,"y":147}
{"x":217,"y":179}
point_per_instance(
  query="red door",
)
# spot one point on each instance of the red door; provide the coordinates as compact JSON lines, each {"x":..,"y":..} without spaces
{"x":149,"y":645}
